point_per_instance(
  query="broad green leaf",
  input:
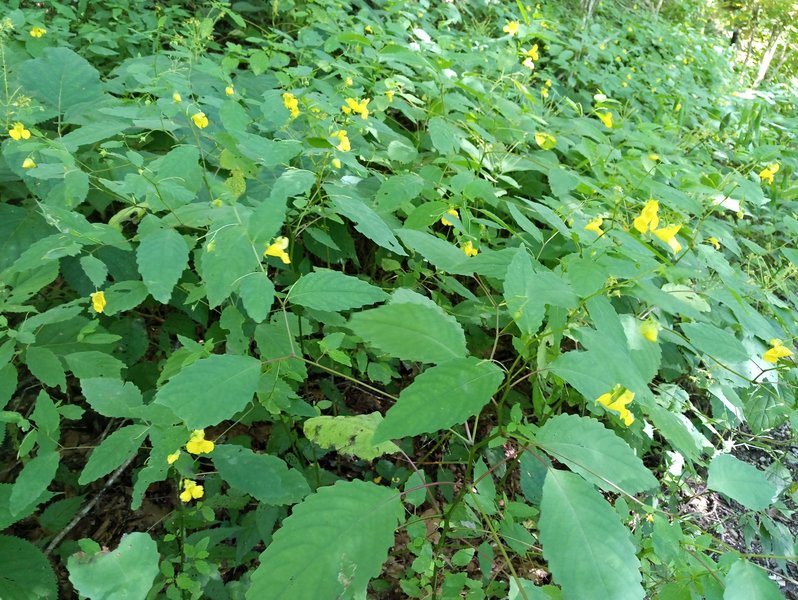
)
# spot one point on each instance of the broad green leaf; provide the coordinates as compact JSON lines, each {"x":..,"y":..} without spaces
{"x":25,"y":572}
{"x":440,"y":253}
{"x":95,"y":270}
{"x":679,"y":431}
{"x":746,"y":581}
{"x":179,"y":179}
{"x":333,"y":543}
{"x":410,"y":332}
{"x":741,"y":482}
{"x":349,"y":435}
{"x":588,"y":549}
{"x":333,"y":291}
{"x":445,"y":136}
{"x":45,"y":366}
{"x":124,"y":296}
{"x":398,"y":190}
{"x":113,"y":451}
{"x":257,"y":294}
{"x":442,"y":396}
{"x":211,"y":390}
{"x":266,"y":152}
{"x":227,"y":257}
{"x":46,"y":416}
{"x":596,"y":453}
{"x":715,"y":342}
{"x":93,"y":363}
{"x":20,"y":228}
{"x":33,"y":481}
{"x":111,"y":397}
{"x":368,"y":222}
{"x":162,"y":256}
{"x":125,"y":573}
{"x":263,"y":476}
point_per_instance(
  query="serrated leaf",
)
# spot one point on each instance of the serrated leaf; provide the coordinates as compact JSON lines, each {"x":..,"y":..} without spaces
{"x":126,"y":572}
{"x":263,"y":476}
{"x":257,"y":294}
{"x":588,"y":549}
{"x":346,"y":528}
{"x":95,"y":269}
{"x":740,"y":481}
{"x":440,"y":253}
{"x":124,"y":296}
{"x":715,"y":342}
{"x":368,"y":222}
{"x":445,"y":136}
{"x":33,"y":481}
{"x":227,"y":257}
{"x":113,"y":451}
{"x":746,"y":581}
{"x":111,"y":397}
{"x":211,"y":390}
{"x":595,"y":452}
{"x":45,"y":366}
{"x":162,"y":256}
{"x":333,"y":291}
{"x":350,"y":435}
{"x":411,"y":332}
{"x":25,"y":572}
{"x":442,"y":396}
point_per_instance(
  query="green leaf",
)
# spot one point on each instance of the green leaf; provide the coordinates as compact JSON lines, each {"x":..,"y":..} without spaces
{"x":257,"y":294}
{"x":349,"y":435}
{"x":162,"y":256}
{"x":367,"y":222}
{"x":588,"y":549}
{"x":25,"y":572}
{"x":741,"y":482}
{"x":334,"y":291}
{"x":211,"y":390}
{"x":333,"y":543}
{"x":595,"y":452}
{"x":440,"y":253}
{"x":124,"y":296}
{"x":113,"y":451}
{"x":411,"y":332}
{"x":263,"y":476}
{"x":227,"y":257}
{"x":266,"y":152}
{"x":95,"y":270}
{"x":445,"y":136}
{"x":442,"y":396}
{"x":715,"y":342}
{"x":20,"y":228}
{"x":93,"y":363}
{"x":33,"y":481}
{"x":111,"y":397}
{"x":746,"y":581}
{"x":125,"y":573}
{"x":45,"y":366}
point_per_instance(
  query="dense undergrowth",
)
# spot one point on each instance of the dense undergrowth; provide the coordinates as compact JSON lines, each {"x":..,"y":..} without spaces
{"x":391,"y":299}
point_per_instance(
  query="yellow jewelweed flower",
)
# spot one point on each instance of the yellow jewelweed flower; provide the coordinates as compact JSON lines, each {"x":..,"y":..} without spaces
{"x":545,"y":140}
{"x":343,"y":140}
{"x":277,"y":249}
{"x":768,"y":172}
{"x":606,"y":118}
{"x":230,"y":90}
{"x":177,"y":98}
{"x":511,"y":27}
{"x":191,"y":491}
{"x":389,"y":94}
{"x":292,"y":104}
{"x":529,"y":63}
{"x":357,"y":107}
{"x":650,"y":330}
{"x":197,"y":444}
{"x":544,"y":92}
{"x":28,"y":163}
{"x":595,"y":226}
{"x":98,"y":301}
{"x":172,"y":458}
{"x":37,"y":32}
{"x":336,"y":163}
{"x":616,"y":401}
{"x":548,"y":83}
{"x":533,"y":52}
{"x":648,"y":219}
{"x":454,"y":213}
{"x":715,"y":242}
{"x":368,"y":29}
{"x":469,"y":249}
{"x":668,"y":235}
{"x":776,"y":352}
{"x":200,"y":120}
{"x":653,"y":156}
{"x":18,"y":132}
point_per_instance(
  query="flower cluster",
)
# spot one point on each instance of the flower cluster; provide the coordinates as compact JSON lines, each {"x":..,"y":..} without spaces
{"x":358,"y":107}
{"x":648,"y":220}
{"x":343,"y":140}
{"x":292,"y":104}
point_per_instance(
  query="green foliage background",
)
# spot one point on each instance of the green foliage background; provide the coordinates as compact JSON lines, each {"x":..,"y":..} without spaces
{"x":407,"y":401}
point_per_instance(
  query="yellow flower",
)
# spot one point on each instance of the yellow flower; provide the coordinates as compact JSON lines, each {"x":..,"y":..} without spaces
{"x":292,"y":104}
{"x":368,"y":29}
{"x":200,"y":120}
{"x":176,"y":98}
{"x":37,"y":32}
{"x":768,"y":172}
{"x":529,"y":63}
{"x":617,"y":401}
{"x":650,"y":330}
{"x":650,"y":518}
{"x":605,"y":118}
{"x":653,"y":156}
{"x":715,"y":242}
{"x":548,"y":83}
{"x":277,"y":248}
{"x":18,"y":132}
{"x":389,"y":94}
{"x":172,"y":458}
{"x":648,"y":219}
{"x":602,"y":46}
{"x":545,"y":140}
{"x":544,"y":92}
{"x":357,"y":107}
{"x":336,"y":163}
{"x":533,"y":53}
{"x":98,"y":301}
{"x":469,"y":249}
{"x":197,"y":444}
{"x":454,"y":213}
{"x":595,"y":226}
{"x":511,"y":27}
{"x":230,"y":90}
{"x":343,"y":140}
{"x":678,"y":107}
{"x":191,"y":491}
{"x":778,"y":350}
{"x":668,"y":235}
{"x":28,"y":163}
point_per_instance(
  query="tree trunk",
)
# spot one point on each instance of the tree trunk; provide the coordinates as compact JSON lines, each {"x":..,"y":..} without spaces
{"x":750,"y":45}
{"x":767,"y":58}
{"x":782,"y":59}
